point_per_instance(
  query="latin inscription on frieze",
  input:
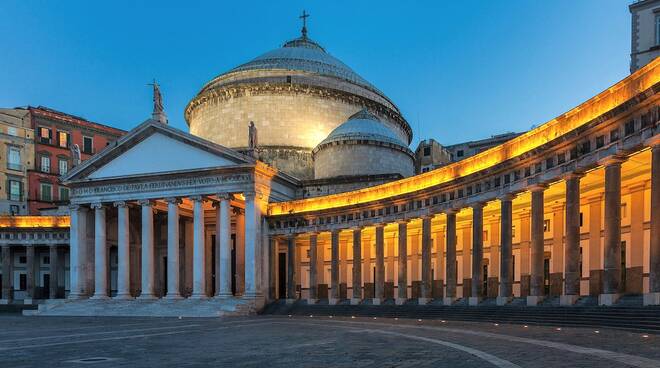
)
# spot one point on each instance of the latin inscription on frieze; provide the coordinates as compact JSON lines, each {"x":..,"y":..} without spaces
{"x":160,"y":185}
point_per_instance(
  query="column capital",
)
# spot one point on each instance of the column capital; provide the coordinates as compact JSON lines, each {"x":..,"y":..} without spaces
{"x":653,"y":142}
{"x":402,"y":221}
{"x":612,"y":160}
{"x":572,"y":175}
{"x":97,"y":206}
{"x":120,"y":204}
{"x":507,"y":197}
{"x":146,"y":202}
{"x":250,"y":195}
{"x":197,"y":198}
{"x":77,"y":207}
{"x":379,"y":224}
{"x":427,"y":216}
{"x":539,"y":187}
{"x":173,"y":200}
{"x":225,"y":196}
{"x":452,"y":211}
{"x":478,"y":205}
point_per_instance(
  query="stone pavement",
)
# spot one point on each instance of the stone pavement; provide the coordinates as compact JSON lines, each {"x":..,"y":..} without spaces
{"x":312,"y":341}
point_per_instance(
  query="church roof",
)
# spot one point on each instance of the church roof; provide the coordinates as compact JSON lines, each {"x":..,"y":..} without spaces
{"x":363,"y":126}
{"x":306,"y":55}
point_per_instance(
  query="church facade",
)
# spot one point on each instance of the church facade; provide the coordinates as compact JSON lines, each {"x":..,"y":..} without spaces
{"x":319,"y":200}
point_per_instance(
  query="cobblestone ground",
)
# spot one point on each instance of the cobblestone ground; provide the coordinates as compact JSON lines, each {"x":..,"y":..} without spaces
{"x":312,"y":342}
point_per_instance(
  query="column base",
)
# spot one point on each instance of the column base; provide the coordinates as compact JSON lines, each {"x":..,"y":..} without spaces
{"x":333,"y":301}
{"x":173,"y":297}
{"x":28,"y":301}
{"x":146,"y":297}
{"x":312,"y":301}
{"x":400,"y":301}
{"x":652,"y":299}
{"x":474,"y":301}
{"x":608,"y":299}
{"x":449,"y":300}
{"x":377,"y":301}
{"x":503,"y":300}
{"x":355,"y":301}
{"x":124,"y":296}
{"x":99,"y":297}
{"x":223,"y":295}
{"x":5,"y":301}
{"x":568,"y":300}
{"x":291,"y":301}
{"x":535,"y":300}
{"x":423,"y":301}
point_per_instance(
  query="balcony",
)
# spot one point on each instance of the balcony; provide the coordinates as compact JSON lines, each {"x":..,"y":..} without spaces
{"x":16,"y":167}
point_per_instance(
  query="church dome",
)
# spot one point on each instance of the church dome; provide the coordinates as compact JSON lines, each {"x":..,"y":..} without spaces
{"x":364,"y":126}
{"x":305,"y":55}
{"x":362,"y":146}
{"x":296,"y":95}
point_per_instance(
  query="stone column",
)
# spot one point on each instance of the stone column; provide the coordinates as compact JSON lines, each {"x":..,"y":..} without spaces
{"x":536,"y":286}
{"x":402,"y":287}
{"x":251,"y":239}
{"x":492,"y":281}
{"x":199,"y":254}
{"x":557,"y":252}
{"x":223,"y":238}
{"x":123,"y":252}
{"x":272,"y":263}
{"x":29,"y":252}
{"x":379,"y":294}
{"x":612,"y":232}
{"x":357,"y":266}
{"x":147,"y":250}
{"x":572,"y":247}
{"x":313,"y":268}
{"x":634,"y":282}
{"x":77,"y":245}
{"x":7,"y":271}
{"x":653,"y":296}
{"x":477,"y":253}
{"x":594,"y":247}
{"x":427,"y":277}
{"x":240,"y":250}
{"x":291,"y":292}
{"x":100,"y":253}
{"x":334,"y":267}
{"x":438,"y":286}
{"x":451,"y":258}
{"x":173,"y":289}
{"x":505,"y":293}
{"x":524,"y":262}
{"x":466,"y":260}
{"x":54,"y":277}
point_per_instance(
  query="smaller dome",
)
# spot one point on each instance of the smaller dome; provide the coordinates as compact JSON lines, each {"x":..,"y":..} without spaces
{"x":363,"y":125}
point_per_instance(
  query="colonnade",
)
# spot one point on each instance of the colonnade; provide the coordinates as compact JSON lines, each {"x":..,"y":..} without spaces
{"x":32,"y":269}
{"x":93,"y":281}
{"x":568,"y":237}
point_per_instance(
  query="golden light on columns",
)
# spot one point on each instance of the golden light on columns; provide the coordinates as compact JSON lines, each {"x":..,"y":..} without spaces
{"x":614,"y":96}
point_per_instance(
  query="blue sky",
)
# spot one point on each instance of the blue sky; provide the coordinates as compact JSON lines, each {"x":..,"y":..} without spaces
{"x":457,"y":70}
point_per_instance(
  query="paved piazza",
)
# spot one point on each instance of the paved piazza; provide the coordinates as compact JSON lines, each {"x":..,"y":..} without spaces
{"x":313,"y":342}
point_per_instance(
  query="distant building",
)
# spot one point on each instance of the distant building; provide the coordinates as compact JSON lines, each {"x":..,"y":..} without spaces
{"x":645,"y":38}
{"x":463,"y":150}
{"x":54,"y":133}
{"x":429,"y":155}
{"x":15,"y":161}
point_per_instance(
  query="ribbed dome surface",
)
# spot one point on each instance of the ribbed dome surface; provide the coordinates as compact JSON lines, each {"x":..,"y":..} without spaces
{"x":305,"y":55}
{"x":363,"y":125}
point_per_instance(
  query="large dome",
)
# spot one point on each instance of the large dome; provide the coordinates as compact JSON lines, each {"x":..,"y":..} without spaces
{"x":296,"y":95}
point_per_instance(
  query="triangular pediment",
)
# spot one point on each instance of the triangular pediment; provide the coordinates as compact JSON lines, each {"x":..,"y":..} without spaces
{"x":154,"y":148}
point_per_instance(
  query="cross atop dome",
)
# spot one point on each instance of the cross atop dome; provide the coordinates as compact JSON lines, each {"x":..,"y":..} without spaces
{"x":304,"y":17}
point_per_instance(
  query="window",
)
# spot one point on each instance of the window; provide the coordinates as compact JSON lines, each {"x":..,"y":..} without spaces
{"x":629,"y":128}
{"x":63,"y":166}
{"x":624,"y":207}
{"x":88,"y":146}
{"x":15,"y":189}
{"x":581,"y":219}
{"x":22,"y":282}
{"x":14,"y":159}
{"x":45,"y":164}
{"x":63,"y":139}
{"x":22,"y":259}
{"x":45,"y":136}
{"x":459,"y":153}
{"x":614,"y":135}
{"x":13,"y":209}
{"x":546,"y":226}
{"x":12,"y":131}
{"x":426,"y":169}
{"x":46,"y":260}
{"x":46,"y":192}
{"x":600,"y":141}
{"x":427,"y":151}
{"x":64,"y":194}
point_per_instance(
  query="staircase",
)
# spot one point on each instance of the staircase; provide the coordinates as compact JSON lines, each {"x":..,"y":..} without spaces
{"x":627,"y":315}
